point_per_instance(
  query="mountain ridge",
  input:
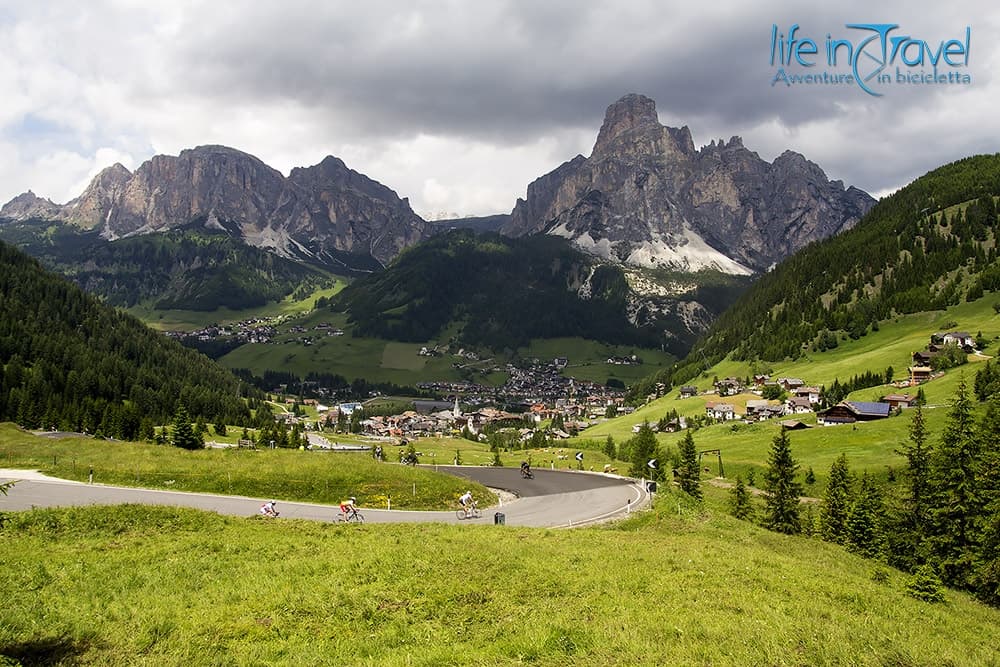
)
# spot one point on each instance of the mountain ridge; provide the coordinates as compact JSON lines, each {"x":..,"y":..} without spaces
{"x":317,"y":213}
{"x":647,"y":197}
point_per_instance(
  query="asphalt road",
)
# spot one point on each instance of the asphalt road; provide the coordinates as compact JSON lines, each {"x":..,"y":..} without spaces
{"x":553,"y":499}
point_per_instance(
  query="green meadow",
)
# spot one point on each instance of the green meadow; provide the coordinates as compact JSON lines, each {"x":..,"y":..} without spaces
{"x":283,"y":474}
{"x":588,"y":359}
{"x":380,"y":360}
{"x":871,"y":445}
{"x":188,"y":320}
{"x":679,"y":585}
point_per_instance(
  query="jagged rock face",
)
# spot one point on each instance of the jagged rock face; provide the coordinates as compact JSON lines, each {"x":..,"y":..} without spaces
{"x":315,"y":211}
{"x":349,"y":211}
{"x":29,"y":205}
{"x":90,"y":209}
{"x":647,"y":197}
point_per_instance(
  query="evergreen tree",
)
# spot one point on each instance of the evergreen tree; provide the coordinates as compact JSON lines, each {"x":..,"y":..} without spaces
{"x":986,"y":579}
{"x":643,"y":449}
{"x":609,"y":448}
{"x":183,"y":435}
{"x":688,"y":473}
{"x":781,"y":504}
{"x":810,"y":477}
{"x":836,"y":502}
{"x":918,"y":483}
{"x":865,"y":524}
{"x":925,"y":585}
{"x":739,"y":501}
{"x":955,"y":508}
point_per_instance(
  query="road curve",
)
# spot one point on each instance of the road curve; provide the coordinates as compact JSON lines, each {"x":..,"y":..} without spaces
{"x":553,"y":499}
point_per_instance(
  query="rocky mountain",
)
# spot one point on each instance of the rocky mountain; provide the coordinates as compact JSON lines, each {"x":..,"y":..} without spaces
{"x":29,"y":205}
{"x":324,"y":213}
{"x":931,"y":245}
{"x":647,"y":197}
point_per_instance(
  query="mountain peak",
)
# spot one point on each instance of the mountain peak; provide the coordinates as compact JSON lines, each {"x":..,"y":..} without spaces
{"x":28,"y":205}
{"x":647,"y":197}
{"x":630,"y":112}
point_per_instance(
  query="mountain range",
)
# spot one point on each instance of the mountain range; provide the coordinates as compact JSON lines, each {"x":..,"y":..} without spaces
{"x":647,"y":197}
{"x":673,"y":217}
{"x":324,"y":213}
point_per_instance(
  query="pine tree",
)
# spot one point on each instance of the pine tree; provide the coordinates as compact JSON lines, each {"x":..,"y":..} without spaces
{"x":865,"y":525}
{"x":688,"y":473}
{"x":609,"y":448}
{"x":925,"y":585}
{"x":781,"y":505}
{"x":918,"y":467}
{"x":739,"y":501}
{"x":953,"y":474}
{"x":643,"y":449}
{"x":182,"y":435}
{"x":986,"y":579}
{"x":836,"y":502}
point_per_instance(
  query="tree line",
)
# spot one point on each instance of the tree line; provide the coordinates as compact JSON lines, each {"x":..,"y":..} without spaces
{"x":503,"y":291}
{"x":69,"y":362}
{"x":939,"y":520}
{"x":912,"y":252}
{"x":189,"y":267}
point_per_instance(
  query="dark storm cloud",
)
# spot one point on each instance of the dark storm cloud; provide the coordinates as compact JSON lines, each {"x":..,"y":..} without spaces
{"x":424,"y":94}
{"x":506,"y":71}
{"x":510,"y":72}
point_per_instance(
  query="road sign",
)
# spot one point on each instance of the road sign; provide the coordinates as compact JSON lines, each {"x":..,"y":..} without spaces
{"x":652,"y":464}
{"x":579,"y":456}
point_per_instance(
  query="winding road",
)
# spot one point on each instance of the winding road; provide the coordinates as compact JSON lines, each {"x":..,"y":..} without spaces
{"x":553,"y":499}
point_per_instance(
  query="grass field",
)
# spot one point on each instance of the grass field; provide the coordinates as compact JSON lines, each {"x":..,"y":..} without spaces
{"x":321,"y":477}
{"x":188,"y":320}
{"x":588,"y":358}
{"x":676,"y":586}
{"x":403,"y":356}
{"x":378,"y":360}
{"x":870,"y":445}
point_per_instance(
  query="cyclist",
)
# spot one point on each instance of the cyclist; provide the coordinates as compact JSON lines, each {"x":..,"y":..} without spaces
{"x":269,"y":509}
{"x":525,"y":470}
{"x":466,"y":501}
{"x":348,"y":509}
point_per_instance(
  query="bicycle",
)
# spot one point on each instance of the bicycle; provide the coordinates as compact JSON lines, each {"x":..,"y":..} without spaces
{"x":351,"y":517}
{"x":471,"y":512}
{"x":527,"y":474}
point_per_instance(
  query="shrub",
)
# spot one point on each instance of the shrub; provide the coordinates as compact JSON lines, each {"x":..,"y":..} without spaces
{"x":925,"y":585}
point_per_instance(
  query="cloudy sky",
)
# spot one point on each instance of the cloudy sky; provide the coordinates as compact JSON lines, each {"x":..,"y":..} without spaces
{"x":459,"y":105}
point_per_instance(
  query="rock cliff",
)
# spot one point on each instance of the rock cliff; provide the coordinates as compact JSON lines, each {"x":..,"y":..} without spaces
{"x":647,"y":197}
{"x":318,"y":212}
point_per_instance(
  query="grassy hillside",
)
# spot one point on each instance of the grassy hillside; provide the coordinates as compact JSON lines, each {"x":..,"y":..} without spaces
{"x":321,"y":477}
{"x":870,"y":445}
{"x":931,"y":245}
{"x":383,"y":360}
{"x":190,"y":267}
{"x":297,"y":303}
{"x":677,"y":586}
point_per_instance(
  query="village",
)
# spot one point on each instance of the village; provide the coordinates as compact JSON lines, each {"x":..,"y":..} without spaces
{"x":536,"y":396}
{"x":793,"y":397}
